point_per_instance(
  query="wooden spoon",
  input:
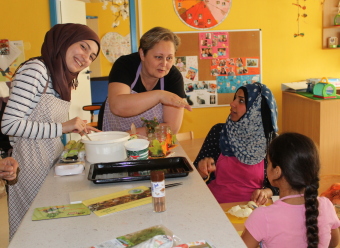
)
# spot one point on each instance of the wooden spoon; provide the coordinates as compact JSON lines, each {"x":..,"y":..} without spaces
{"x":133,"y":129}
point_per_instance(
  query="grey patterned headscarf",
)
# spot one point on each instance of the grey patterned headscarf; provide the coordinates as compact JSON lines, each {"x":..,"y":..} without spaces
{"x":246,"y":139}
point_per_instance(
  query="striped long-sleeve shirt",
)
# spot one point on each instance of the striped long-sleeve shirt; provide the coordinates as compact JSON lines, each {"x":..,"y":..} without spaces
{"x":26,"y":90}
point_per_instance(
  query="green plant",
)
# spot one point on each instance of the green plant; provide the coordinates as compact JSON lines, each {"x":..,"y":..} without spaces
{"x":150,"y":124}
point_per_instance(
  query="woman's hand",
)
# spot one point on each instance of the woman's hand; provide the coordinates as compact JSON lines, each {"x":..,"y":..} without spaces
{"x":174,"y":100}
{"x":206,"y":166}
{"x":261,"y":196}
{"x":8,"y":168}
{"x":77,"y":125}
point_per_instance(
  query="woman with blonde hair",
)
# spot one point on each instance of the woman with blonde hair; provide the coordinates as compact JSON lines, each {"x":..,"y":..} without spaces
{"x":146,"y":84}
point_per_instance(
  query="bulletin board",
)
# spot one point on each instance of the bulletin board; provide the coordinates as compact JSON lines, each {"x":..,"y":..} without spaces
{"x":215,"y":64}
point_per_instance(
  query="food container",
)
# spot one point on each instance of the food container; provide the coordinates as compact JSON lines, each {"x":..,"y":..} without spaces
{"x":137,"y":149}
{"x":106,"y":147}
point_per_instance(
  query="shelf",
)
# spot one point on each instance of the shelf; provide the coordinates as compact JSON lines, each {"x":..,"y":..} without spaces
{"x":332,"y":27}
{"x":327,"y":48}
{"x":329,"y":11}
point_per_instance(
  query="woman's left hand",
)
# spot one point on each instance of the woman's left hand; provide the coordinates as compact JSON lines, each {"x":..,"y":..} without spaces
{"x":172,"y":99}
{"x":260,"y":196}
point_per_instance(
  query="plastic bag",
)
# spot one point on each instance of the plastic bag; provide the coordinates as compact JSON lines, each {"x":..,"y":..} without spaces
{"x":152,"y":237}
{"x":196,"y":244}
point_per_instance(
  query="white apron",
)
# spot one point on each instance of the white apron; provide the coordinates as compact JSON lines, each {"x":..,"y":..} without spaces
{"x":112,"y":122}
{"x":35,"y":158}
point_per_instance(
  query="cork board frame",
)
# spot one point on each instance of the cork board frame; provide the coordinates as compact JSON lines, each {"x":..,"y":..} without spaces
{"x":242,"y":43}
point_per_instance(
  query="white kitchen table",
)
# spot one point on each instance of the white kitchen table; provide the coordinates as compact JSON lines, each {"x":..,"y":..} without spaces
{"x":192,"y":214}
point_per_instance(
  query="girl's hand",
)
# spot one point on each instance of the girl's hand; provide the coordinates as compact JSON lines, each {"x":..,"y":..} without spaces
{"x":75,"y":125}
{"x":8,"y":168}
{"x":206,"y":166}
{"x":174,"y":100}
{"x":88,"y":129}
{"x":261,"y":196}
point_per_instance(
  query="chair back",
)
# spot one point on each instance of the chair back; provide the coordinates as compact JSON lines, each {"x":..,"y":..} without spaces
{"x":92,"y":108}
{"x":101,"y":116}
{"x":185,"y":136}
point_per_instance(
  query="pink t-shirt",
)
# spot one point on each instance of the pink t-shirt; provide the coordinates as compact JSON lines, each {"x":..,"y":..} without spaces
{"x":283,"y":225}
{"x":236,"y":181}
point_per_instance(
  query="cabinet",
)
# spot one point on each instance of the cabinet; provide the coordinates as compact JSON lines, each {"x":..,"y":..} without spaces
{"x":319,"y":120}
{"x":330,"y":9}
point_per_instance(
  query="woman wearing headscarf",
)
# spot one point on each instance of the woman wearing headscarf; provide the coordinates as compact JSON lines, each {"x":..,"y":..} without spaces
{"x":238,"y":148}
{"x":36,"y":114}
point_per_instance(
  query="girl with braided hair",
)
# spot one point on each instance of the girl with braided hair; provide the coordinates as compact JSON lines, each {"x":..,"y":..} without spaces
{"x":299,"y":218}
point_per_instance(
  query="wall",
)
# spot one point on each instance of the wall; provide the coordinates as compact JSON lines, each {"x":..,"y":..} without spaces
{"x":105,"y":20}
{"x":27,"y":21}
{"x":285,"y":58}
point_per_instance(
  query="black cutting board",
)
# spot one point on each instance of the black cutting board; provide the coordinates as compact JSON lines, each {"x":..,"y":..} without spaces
{"x":137,"y":170}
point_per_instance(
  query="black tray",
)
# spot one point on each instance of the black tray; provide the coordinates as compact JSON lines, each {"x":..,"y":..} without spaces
{"x":136,"y":170}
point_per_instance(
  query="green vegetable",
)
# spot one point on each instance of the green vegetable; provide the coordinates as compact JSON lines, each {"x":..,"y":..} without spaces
{"x":150,"y":124}
{"x":173,"y":139}
{"x":70,"y":144}
{"x":157,"y":148}
{"x":141,"y":236}
{"x":74,"y":148}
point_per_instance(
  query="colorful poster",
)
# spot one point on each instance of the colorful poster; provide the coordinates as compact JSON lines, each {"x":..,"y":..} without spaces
{"x":221,"y":67}
{"x":214,"y":45}
{"x":202,"y":14}
{"x":235,"y":66}
{"x":192,"y":74}
{"x":188,"y":66}
{"x":247,"y":66}
{"x":201,"y":93}
{"x":9,"y":63}
{"x":230,"y":84}
{"x":114,"y":45}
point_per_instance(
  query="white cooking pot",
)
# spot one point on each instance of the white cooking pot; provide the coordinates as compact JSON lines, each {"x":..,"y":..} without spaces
{"x":105,"y":147}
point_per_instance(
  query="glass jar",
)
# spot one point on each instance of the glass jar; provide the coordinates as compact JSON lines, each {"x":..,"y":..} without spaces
{"x":158,"y":191}
{"x":158,"y":146}
{"x":166,"y":130}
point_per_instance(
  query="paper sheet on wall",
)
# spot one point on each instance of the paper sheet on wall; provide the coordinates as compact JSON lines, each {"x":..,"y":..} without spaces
{"x":4,"y":89}
{"x":16,"y":52}
{"x":7,"y":60}
{"x":115,"y":45}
